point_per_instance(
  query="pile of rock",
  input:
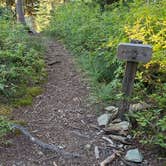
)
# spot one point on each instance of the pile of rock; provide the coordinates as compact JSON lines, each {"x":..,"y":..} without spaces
{"x":116,"y":133}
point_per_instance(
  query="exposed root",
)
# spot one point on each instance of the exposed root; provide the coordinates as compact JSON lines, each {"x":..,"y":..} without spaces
{"x":45,"y":146}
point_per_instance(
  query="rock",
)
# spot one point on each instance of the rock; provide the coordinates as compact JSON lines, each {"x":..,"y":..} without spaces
{"x":139,"y":106}
{"x":111,"y":108}
{"x":121,"y":163}
{"x":54,"y":163}
{"x":103,"y":120}
{"x":129,"y":137}
{"x":120,"y":146}
{"x":113,"y":111}
{"x":121,"y":126}
{"x":88,"y":146}
{"x":40,"y":152}
{"x":108,"y":130}
{"x":134,"y":155}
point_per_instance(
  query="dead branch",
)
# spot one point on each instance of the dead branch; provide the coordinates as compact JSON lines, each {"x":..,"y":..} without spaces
{"x":45,"y":146}
{"x":108,"y":160}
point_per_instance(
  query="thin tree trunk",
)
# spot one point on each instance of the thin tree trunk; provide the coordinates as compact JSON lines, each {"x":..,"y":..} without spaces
{"x":8,"y":4}
{"x":20,"y":11}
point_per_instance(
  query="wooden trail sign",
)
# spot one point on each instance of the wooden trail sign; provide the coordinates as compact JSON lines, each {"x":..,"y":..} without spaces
{"x":133,"y":53}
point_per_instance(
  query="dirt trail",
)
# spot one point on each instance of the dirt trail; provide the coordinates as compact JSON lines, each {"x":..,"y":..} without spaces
{"x":60,"y":116}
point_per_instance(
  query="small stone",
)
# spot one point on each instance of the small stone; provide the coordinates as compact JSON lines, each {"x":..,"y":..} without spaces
{"x":129,"y":137}
{"x":54,"y":163}
{"x":121,"y":163}
{"x":134,"y":155}
{"x":110,"y":108}
{"x":40,"y":153}
{"x":61,"y":147}
{"x":125,"y":147}
{"x":87,"y":146}
{"x":103,"y":120}
{"x":120,"y":146}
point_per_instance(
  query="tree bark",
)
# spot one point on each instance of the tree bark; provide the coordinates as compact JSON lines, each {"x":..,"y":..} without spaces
{"x":8,"y":4}
{"x":20,"y":11}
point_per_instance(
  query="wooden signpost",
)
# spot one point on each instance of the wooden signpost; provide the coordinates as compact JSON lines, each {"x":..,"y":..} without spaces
{"x":134,"y":53}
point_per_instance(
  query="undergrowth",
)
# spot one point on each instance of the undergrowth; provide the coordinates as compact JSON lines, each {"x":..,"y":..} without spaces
{"x":94,"y":36}
{"x":22,"y":68}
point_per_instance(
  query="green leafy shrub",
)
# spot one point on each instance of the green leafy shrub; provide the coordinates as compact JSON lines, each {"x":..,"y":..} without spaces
{"x":21,"y":60}
{"x":22,"y":67}
{"x":151,"y":127}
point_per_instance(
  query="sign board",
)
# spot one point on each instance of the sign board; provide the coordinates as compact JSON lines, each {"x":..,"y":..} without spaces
{"x":134,"y":52}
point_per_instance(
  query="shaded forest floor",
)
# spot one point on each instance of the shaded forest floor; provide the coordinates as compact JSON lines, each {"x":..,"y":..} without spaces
{"x":61,"y":116}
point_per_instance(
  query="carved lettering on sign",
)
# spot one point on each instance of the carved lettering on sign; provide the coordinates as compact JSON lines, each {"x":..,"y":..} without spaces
{"x":134,"y":52}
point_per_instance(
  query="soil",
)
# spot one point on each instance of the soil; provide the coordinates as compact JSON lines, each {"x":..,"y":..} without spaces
{"x":62,"y":116}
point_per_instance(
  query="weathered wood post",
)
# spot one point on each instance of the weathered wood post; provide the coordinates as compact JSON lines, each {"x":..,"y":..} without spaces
{"x":133,"y":53}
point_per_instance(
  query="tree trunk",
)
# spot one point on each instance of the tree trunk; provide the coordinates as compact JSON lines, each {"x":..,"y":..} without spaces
{"x":20,"y":11}
{"x":8,"y":4}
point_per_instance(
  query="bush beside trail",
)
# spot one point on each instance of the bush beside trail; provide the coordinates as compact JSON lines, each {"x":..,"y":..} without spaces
{"x":22,"y":67}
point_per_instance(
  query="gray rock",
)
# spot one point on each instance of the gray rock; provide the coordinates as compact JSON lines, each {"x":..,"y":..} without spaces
{"x":88,"y":146}
{"x":129,"y":137}
{"x":111,"y":108}
{"x":134,"y":155}
{"x":113,"y":111}
{"x":138,"y":107}
{"x":103,"y":120}
{"x":122,"y":126}
{"x":120,"y":146}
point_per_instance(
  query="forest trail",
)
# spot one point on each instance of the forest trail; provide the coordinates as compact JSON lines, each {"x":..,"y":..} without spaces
{"x":59,"y":116}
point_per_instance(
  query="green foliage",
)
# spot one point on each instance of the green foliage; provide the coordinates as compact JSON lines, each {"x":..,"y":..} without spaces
{"x":21,"y":61}
{"x":22,"y":67}
{"x":152,"y":126}
{"x":43,"y":14}
{"x":28,"y":98}
{"x":5,"y":126}
{"x":94,"y":38}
